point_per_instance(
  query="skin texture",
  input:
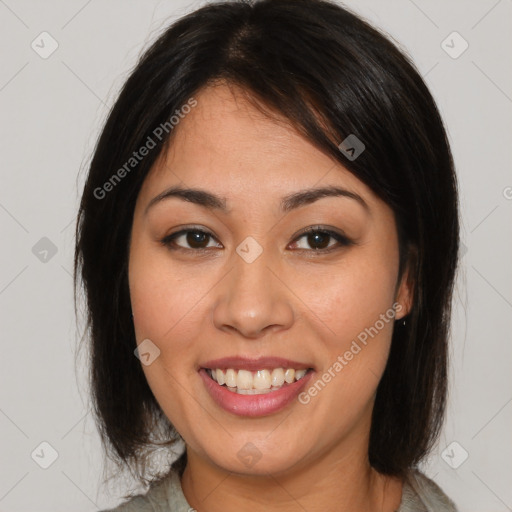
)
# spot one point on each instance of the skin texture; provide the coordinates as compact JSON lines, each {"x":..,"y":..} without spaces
{"x":293,"y":301}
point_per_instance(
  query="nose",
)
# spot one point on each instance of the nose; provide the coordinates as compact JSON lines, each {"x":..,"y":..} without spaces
{"x":252,"y":300}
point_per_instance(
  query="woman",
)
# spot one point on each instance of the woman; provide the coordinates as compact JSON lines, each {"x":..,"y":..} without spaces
{"x":268,"y":242}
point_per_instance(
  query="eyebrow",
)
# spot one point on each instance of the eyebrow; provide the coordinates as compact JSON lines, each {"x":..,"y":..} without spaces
{"x":290,"y":202}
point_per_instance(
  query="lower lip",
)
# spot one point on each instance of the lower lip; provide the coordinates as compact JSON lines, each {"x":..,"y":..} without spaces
{"x":253,"y":405}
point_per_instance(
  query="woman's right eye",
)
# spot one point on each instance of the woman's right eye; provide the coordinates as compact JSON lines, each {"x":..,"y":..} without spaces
{"x":196,"y":239}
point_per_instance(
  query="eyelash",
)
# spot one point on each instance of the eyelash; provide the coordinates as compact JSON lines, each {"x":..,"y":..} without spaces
{"x":342,"y":240}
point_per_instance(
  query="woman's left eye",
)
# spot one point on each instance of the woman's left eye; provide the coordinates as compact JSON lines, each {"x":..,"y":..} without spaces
{"x":319,"y":239}
{"x":197,"y":240}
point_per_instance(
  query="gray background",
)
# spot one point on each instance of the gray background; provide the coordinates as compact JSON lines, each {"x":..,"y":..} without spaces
{"x":52,"y":110}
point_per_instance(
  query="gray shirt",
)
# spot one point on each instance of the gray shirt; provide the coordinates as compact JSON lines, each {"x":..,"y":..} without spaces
{"x":419,"y":494}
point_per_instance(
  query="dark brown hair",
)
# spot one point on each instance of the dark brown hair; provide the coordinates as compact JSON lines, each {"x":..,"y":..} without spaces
{"x":330,"y":74}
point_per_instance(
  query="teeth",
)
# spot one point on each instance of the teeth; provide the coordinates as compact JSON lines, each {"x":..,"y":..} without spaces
{"x":230,"y":378}
{"x":220,"y":376}
{"x":277,"y":377}
{"x":289,"y":375}
{"x":245,"y":382}
{"x":299,"y":374}
{"x":261,"y":380}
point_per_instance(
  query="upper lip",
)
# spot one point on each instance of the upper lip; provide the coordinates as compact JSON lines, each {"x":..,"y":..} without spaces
{"x":251,"y":364}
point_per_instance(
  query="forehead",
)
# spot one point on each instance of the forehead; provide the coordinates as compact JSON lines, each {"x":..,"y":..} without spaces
{"x":228,"y":145}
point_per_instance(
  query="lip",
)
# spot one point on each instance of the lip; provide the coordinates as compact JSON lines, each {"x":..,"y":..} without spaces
{"x":253,"y":365}
{"x":254,"y":405}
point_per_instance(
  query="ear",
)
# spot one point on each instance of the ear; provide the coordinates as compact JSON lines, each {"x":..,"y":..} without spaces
{"x":405,"y":288}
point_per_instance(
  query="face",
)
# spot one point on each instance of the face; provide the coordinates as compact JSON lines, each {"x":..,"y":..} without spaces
{"x":240,"y":279}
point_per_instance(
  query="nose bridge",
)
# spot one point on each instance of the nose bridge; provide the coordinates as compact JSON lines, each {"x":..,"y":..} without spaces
{"x":251,"y":298}
{"x":252,"y":276}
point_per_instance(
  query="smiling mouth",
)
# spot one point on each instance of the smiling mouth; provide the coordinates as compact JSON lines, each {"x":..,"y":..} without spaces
{"x":259,"y":382}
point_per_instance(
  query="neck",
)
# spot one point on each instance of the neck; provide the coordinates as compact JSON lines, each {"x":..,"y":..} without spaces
{"x":337,"y":480}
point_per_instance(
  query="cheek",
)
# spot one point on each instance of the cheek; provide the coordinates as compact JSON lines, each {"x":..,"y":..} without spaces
{"x":351,"y":305}
{"x":167,"y":310}
{"x":165,"y":300}
{"x":351,"y":296}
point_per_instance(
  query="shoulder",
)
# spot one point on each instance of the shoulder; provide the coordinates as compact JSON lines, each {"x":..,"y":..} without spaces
{"x":421,"y":494}
{"x":156,"y":499}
